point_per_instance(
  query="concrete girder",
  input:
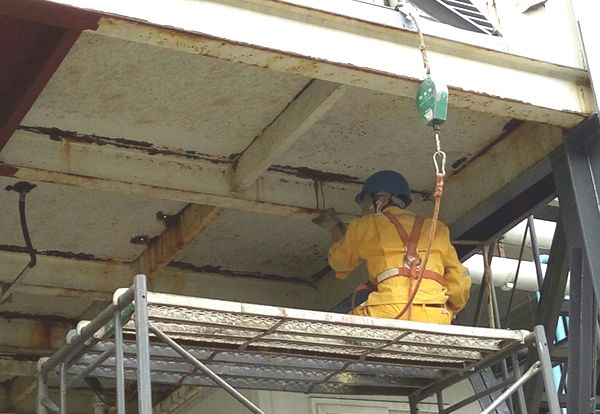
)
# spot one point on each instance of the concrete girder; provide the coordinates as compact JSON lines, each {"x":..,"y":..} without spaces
{"x":25,"y":335}
{"x":69,"y":162}
{"x":18,"y":368}
{"x":323,"y":45}
{"x":36,"y":157}
{"x":101,"y":279}
{"x":306,"y":109}
{"x":517,"y":152}
{"x":180,"y":232}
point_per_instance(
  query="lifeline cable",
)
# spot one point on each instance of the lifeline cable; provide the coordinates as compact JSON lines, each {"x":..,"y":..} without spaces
{"x":439,"y":160}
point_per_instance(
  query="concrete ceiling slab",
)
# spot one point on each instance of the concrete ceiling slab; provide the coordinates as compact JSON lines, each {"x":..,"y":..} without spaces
{"x":71,"y":219}
{"x":367,"y":131}
{"x":24,"y":304}
{"x":259,"y":244}
{"x":119,"y":89}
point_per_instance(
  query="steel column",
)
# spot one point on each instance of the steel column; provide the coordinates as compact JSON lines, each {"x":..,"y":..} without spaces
{"x":142,"y":337}
{"x":521,"y":407}
{"x":582,"y":155}
{"x":63,"y":388}
{"x":495,"y":312}
{"x":120,"y":366}
{"x":580,"y":391}
{"x":549,"y":308}
{"x":42,"y":389}
{"x":413,"y":404}
{"x":543,"y":351}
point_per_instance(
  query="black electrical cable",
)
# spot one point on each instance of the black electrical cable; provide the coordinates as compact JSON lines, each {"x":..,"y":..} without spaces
{"x":33,"y":259}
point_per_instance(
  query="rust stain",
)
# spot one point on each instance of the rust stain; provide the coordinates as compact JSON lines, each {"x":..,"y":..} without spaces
{"x":459,"y":162}
{"x":315,"y":175}
{"x":142,"y":239}
{"x":147,"y":147}
{"x":46,"y":319}
{"x":509,"y":127}
{"x":56,"y":253}
{"x":8,"y":170}
{"x":321,"y":273}
{"x":252,"y":275}
{"x":317,"y":185}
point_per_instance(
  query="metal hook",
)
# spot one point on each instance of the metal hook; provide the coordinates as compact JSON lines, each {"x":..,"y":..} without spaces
{"x":439,"y":160}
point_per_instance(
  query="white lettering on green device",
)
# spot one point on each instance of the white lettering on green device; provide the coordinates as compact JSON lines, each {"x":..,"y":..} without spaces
{"x":432,"y":102}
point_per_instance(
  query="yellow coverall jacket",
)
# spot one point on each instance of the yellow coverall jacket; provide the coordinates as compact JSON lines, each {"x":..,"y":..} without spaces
{"x":374,"y":239}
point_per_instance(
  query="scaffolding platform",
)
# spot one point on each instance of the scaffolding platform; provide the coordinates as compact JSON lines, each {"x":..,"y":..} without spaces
{"x":272,"y":348}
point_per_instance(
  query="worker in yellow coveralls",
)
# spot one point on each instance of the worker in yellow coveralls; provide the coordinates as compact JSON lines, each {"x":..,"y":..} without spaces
{"x":383,"y":238}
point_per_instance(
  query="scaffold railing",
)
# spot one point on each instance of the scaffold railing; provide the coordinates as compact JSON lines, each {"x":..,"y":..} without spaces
{"x":169,"y":339}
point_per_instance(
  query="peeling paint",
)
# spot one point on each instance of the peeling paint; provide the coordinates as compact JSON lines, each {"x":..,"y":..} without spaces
{"x":67,"y":136}
{"x":321,"y":273}
{"x":56,"y":253}
{"x":142,"y":239}
{"x":47,"y":319}
{"x":509,"y":127}
{"x":225,"y":272}
{"x":312,"y":174}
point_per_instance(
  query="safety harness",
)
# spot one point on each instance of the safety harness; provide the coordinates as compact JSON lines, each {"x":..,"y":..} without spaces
{"x":412,"y":263}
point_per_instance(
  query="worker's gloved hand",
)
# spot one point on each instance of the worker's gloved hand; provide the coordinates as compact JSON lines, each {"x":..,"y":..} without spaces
{"x":329,"y":220}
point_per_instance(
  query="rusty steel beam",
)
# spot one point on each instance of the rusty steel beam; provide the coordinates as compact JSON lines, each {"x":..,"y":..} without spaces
{"x":310,"y":46}
{"x":182,"y":230}
{"x":37,"y":37}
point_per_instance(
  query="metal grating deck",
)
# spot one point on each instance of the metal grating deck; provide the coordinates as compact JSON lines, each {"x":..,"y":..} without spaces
{"x":263,"y":347}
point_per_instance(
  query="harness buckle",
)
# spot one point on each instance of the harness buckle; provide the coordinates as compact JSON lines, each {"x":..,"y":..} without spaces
{"x":410,"y":261}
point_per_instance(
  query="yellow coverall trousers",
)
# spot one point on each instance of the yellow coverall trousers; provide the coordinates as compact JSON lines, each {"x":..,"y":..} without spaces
{"x":420,"y":313}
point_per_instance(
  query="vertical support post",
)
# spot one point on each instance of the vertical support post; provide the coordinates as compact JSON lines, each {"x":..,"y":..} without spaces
{"x":42,"y":389}
{"x":63,"y":388}
{"x":546,"y":366}
{"x":482,"y":292}
{"x":120,"y":366}
{"x":495,"y":313}
{"x":551,"y":300}
{"x":414,"y":405}
{"x":521,"y":406}
{"x":440,"y":401}
{"x":536,"y":252}
{"x":142,"y":337}
{"x":582,"y":155}
{"x":580,"y":391}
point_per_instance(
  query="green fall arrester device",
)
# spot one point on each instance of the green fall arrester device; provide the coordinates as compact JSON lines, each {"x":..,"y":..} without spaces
{"x":432,"y":102}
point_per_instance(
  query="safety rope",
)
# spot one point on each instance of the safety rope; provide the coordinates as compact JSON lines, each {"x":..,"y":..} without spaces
{"x":422,"y":46}
{"x":414,"y":288}
{"x":439,"y":161}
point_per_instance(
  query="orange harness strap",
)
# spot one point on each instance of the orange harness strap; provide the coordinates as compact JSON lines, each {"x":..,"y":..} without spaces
{"x":412,"y":261}
{"x":358,"y":289}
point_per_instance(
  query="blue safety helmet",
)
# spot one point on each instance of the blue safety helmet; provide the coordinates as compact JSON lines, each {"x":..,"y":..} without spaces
{"x":386,"y":181}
